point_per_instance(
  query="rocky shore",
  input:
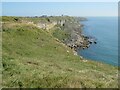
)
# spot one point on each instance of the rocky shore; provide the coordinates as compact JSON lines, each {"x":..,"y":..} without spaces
{"x":76,"y":39}
{"x":37,"y":56}
{"x":67,"y":29}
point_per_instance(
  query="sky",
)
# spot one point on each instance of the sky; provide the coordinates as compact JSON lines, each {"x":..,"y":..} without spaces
{"x":59,"y":8}
{"x":60,"y":0}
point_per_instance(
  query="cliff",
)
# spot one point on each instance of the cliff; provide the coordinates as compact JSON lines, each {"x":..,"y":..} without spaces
{"x":37,"y":57}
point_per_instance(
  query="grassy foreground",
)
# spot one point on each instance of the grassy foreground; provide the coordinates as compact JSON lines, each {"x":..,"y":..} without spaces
{"x":33,"y":57}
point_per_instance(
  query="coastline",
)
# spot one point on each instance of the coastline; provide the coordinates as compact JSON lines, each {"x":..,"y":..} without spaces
{"x":104,"y":29}
{"x":37,"y":55}
{"x":76,"y":39}
{"x":72,"y":30}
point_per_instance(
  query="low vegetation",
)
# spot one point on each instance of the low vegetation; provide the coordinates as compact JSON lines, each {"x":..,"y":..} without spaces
{"x":33,"y":57}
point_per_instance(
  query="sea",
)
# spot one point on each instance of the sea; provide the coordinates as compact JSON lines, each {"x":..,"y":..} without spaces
{"x":105,"y":30}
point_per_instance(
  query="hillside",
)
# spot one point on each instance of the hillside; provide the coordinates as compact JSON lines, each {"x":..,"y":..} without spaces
{"x":33,"y":56}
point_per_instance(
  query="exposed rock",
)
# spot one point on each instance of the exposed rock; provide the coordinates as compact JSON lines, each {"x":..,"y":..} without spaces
{"x":75,"y":53}
{"x":76,"y":40}
{"x":67,"y":51}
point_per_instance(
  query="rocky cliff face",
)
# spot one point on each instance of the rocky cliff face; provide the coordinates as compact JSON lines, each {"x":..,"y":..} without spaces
{"x":32,"y":57}
{"x":70,"y":27}
{"x":76,"y":39}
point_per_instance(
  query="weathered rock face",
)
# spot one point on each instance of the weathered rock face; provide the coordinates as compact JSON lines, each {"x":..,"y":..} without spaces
{"x":76,"y":39}
{"x":73,"y":27}
{"x":46,"y":26}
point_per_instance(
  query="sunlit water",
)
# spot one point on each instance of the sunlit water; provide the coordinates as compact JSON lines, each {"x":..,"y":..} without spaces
{"x":105,"y":30}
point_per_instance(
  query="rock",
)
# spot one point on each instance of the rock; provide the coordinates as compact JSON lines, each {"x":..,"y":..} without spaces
{"x":67,"y":51}
{"x":95,"y":42}
{"x":84,"y":60}
{"x":81,"y":57}
{"x":75,"y":53}
{"x":90,"y":42}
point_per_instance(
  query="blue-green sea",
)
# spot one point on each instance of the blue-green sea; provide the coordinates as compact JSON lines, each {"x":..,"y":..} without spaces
{"x":105,"y":30}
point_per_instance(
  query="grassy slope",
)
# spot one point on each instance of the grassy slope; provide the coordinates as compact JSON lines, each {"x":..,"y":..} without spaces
{"x":0,"y":52}
{"x":34,"y":58}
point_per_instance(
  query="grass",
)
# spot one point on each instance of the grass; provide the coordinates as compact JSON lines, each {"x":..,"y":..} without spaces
{"x":0,"y":52}
{"x":58,"y":32}
{"x":32,"y":57}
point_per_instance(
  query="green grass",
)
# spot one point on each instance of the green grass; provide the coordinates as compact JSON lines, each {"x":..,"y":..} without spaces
{"x":32,"y":57}
{"x":59,"y":33}
{"x":0,"y":53}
